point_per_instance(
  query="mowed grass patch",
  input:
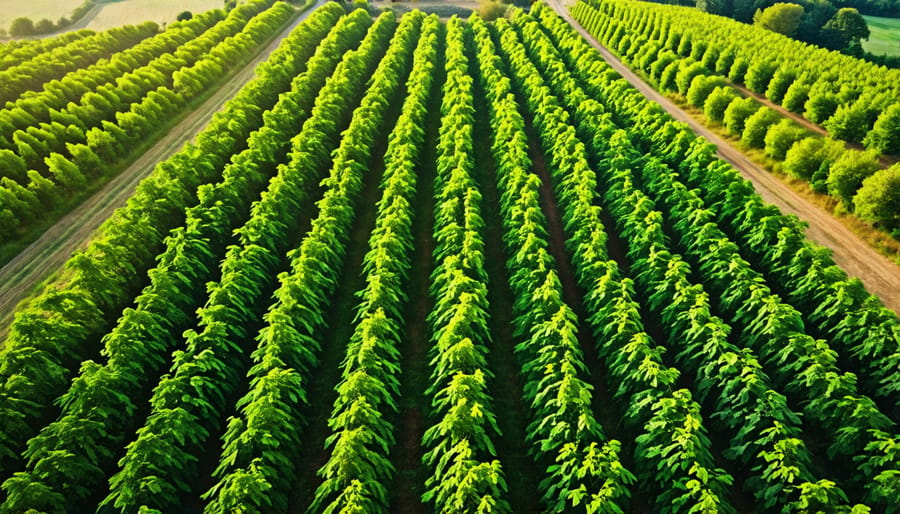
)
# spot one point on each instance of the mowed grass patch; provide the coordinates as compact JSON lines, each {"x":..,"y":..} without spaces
{"x":884,"y":38}
{"x":53,"y":10}
{"x":130,"y":12}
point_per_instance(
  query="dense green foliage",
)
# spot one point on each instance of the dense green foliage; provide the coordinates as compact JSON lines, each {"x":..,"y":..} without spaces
{"x":674,"y":343}
{"x":103,"y":279}
{"x":832,"y":78}
{"x":849,"y":107}
{"x":163,"y":309}
{"x":115,"y":107}
{"x":467,"y":476}
{"x":783,"y":18}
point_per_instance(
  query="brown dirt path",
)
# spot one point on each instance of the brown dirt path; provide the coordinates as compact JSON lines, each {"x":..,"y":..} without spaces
{"x":20,"y":277}
{"x":880,"y":276}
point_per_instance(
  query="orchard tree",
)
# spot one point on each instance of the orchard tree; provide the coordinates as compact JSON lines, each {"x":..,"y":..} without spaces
{"x":809,"y":155}
{"x":717,"y":101}
{"x":184,"y":16}
{"x":686,"y":74}
{"x":782,"y":18}
{"x":778,"y":86}
{"x":757,"y":126}
{"x":701,"y":87}
{"x":11,"y":165}
{"x":885,"y":135}
{"x":21,"y":27}
{"x":879,"y":197}
{"x":796,"y":96}
{"x":44,"y":26}
{"x":848,"y":172}
{"x":65,"y":172}
{"x":759,"y":75}
{"x":851,"y":122}
{"x":781,"y":137}
{"x":845,"y":29}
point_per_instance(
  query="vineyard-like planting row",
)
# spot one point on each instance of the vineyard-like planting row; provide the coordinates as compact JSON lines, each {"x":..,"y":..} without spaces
{"x":675,"y":344}
{"x":658,"y":43}
{"x":846,"y":95}
{"x":78,"y":129}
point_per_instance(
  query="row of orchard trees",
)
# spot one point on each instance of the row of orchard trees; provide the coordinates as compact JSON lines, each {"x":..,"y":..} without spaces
{"x":54,"y":62}
{"x":655,"y":42}
{"x":854,"y":99}
{"x":17,"y":52}
{"x":672,"y":458}
{"x":43,"y":101}
{"x":51,"y":153}
{"x":853,"y":431}
{"x":61,"y":328}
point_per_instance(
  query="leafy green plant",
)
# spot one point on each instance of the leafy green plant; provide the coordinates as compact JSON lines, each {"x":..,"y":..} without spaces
{"x":466,"y":475}
{"x":205,"y":375}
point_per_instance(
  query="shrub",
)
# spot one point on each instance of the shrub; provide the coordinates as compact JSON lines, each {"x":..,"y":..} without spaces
{"x":686,"y":73}
{"x":757,"y":125}
{"x":759,"y":75}
{"x":885,"y":135}
{"x":878,"y":198}
{"x":717,"y":101}
{"x":701,"y":87}
{"x":848,"y":172}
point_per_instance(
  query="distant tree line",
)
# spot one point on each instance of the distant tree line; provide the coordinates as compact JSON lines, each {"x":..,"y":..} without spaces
{"x":743,"y":10}
{"x":24,"y":27}
{"x":833,"y":24}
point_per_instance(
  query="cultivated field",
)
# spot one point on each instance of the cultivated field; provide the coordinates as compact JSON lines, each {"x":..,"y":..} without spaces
{"x":36,"y":10}
{"x":420,"y":266}
{"x":127,"y":12}
{"x":884,"y":37}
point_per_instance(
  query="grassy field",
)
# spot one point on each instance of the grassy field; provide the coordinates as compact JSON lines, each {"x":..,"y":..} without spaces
{"x":885,"y":36}
{"x":127,"y":12}
{"x":35,"y":9}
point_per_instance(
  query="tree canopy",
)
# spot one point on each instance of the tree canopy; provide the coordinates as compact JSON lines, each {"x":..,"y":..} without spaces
{"x":21,"y":27}
{"x":845,"y":29}
{"x":878,"y":198}
{"x":783,"y":18}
